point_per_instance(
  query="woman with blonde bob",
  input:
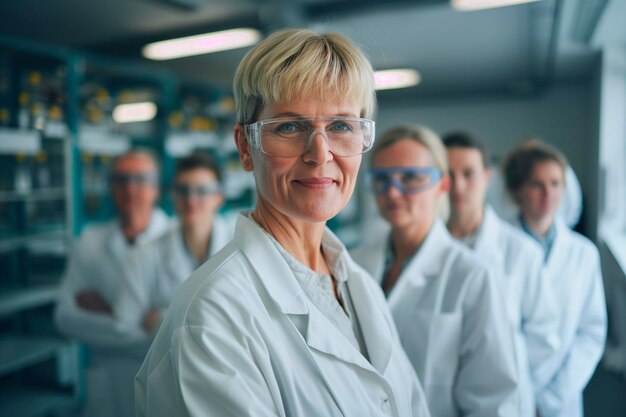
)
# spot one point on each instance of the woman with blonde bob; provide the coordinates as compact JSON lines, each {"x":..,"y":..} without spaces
{"x":282,"y":322}
{"x":535,"y":177}
{"x":444,"y":301}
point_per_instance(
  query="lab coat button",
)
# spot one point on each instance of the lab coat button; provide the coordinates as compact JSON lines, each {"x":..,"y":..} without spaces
{"x":384,"y":404}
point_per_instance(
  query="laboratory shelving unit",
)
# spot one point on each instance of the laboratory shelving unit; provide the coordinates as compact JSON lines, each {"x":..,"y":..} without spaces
{"x":39,"y":370}
{"x":57,"y":143}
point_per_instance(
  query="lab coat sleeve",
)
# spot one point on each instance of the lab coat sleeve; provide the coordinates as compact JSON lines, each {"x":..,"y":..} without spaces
{"x":539,"y":324}
{"x":89,"y":327}
{"x":220,"y":377}
{"x":486,"y":381}
{"x":222,"y":366}
{"x":133,"y":301}
{"x":586,"y":349}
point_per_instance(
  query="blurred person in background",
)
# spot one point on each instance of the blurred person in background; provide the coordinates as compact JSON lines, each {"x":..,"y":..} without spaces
{"x":516,"y":260}
{"x":445,"y":303}
{"x":93,"y":279}
{"x":282,"y":322}
{"x":535,"y":177}
{"x":155,"y":270}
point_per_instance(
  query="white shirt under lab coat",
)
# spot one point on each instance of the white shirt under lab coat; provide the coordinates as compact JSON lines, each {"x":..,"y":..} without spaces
{"x":573,"y":270}
{"x":517,"y":261}
{"x":97,"y":263}
{"x":242,"y":339}
{"x":155,"y":270}
{"x":452,"y":324}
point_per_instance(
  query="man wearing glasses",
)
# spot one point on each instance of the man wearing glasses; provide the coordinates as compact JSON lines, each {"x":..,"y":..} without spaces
{"x":155,"y":270}
{"x":93,"y":278}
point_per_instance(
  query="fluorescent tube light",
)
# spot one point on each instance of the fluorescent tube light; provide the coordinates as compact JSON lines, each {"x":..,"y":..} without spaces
{"x":134,"y":112}
{"x":201,"y":44}
{"x":396,"y":78}
{"x":465,"y":5}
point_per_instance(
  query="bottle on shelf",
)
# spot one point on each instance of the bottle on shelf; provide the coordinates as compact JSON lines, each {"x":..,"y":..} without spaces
{"x":23,"y":180}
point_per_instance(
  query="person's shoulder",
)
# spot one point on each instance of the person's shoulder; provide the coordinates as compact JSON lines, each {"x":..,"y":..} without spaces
{"x":580,"y":243}
{"x":464,"y":258}
{"x":364,"y":253}
{"x":518,"y":241}
{"x":224,"y":284}
{"x":468,"y":270}
{"x":95,"y":235}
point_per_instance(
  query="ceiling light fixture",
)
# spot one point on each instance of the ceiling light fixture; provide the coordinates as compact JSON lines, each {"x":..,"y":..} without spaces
{"x":396,"y":78}
{"x":134,"y":112}
{"x":466,"y":5}
{"x":201,"y":44}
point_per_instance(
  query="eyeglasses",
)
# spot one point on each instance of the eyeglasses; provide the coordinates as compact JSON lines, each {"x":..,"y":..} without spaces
{"x":139,"y":178}
{"x":289,"y":137}
{"x":199,"y":190}
{"x":408,"y":180}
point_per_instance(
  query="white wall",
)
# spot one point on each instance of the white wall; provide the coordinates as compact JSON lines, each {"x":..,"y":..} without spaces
{"x":562,"y":116}
{"x":612,"y":207}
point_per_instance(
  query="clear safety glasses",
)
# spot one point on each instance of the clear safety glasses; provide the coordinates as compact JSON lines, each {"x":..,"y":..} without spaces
{"x":140,"y":178}
{"x":292,"y":136}
{"x":408,"y":180}
{"x":197,"y":190}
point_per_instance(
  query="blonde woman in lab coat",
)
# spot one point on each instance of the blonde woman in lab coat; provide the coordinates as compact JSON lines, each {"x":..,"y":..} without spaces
{"x":282,"y":322}
{"x":517,"y":261}
{"x":445,"y":303}
{"x":155,"y":270}
{"x":94,"y":277}
{"x":535,"y":173}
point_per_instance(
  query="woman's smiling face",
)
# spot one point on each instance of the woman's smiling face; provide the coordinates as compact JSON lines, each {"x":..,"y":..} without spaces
{"x":314,"y":186}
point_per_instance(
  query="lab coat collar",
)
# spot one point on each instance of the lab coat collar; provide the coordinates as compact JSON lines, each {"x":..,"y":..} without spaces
{"x":487,"y":240}
{"x":118,"y":245}
{"x":321,"y":334}
{"x":373,"y":325}
{"x":428,"y":259}
{"x":270,"y":267}
{"x":561,"y":231}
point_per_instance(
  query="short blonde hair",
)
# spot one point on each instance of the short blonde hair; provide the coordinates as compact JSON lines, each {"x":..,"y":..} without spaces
{"x":299,"y":63}
{"x":425,"y":137}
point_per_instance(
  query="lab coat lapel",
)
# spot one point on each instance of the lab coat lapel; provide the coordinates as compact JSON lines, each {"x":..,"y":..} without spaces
{"x":428,"y":259}
{"x":268,"y":263}
{"x":117,"y":245}
{"x":377,"y":256}
{"x":559,"y":247}
{"x":375,"y":329}
{"x":180,"y":263}
{"x":270,"y":267}
{"x":488,"y":240}
{"x":425,"y":264}
{"x":324,"y":337}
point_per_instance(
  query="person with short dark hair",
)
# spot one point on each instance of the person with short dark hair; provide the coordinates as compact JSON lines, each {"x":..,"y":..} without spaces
{"x":516,"y":261}
{"x":155,"y":270}
{"x":535,"y":177}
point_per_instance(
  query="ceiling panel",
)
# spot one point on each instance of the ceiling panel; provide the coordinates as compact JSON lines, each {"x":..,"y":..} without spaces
{"x":455,"y":51}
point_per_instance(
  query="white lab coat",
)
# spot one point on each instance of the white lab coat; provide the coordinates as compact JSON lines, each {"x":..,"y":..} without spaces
{"x":573,"y":270}
{"x":154,"y":272}
{"x":242,"y":339}
{"x":452,"y":325}
{"x":517,"y":261}
{"x":96,"y":262}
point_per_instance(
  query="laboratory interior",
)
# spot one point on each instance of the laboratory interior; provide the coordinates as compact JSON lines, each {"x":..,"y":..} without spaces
{"x":100,"y":99}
